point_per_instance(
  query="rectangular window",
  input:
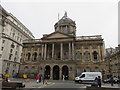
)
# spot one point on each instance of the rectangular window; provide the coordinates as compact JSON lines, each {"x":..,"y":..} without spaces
{"x":2,"y":48}
{"x":11,"y":50}
{"x":10,"y":56}
{"x":3,"y":41}
{"x":0,"y":55}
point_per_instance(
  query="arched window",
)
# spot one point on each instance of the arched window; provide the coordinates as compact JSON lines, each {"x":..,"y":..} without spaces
{"x":28,"y":57}
{"x":95,"y":55}
{"x":26,"y":69}
{"x":96,"y":69}
{"x":65,"y":55}
{"x":88,"y":69}
{"x":34,"y":57}
{"x":78,"y":56}
{"x":87,"y":56}
{"x":33,"y":70}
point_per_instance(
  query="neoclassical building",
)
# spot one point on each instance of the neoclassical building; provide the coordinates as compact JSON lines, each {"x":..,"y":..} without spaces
{"x":62,"y":53}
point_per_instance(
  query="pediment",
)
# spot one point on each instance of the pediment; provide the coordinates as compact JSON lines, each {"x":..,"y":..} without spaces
{"x":56,"y":35}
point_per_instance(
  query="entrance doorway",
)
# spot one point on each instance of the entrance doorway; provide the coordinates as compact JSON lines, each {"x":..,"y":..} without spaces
{"x":56,"y":72}
{"x":47,"y":72}
{"x":65,"y":73}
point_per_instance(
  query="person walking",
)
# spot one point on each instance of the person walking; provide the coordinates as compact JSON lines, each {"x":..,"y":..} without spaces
{"x":43,"y":79}
{"x":111,"y":80}
{"x":99,"y":81}
{"x":63,"y":77}
{"x":37,"y":78}
{"x":95,"y":83}
{"x":40,"y":77}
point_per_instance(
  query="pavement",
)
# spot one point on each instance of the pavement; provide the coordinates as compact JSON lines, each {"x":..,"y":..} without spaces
{"x":105,"y":85}
{"x":34,"y":84}
{"x":31,"y":83}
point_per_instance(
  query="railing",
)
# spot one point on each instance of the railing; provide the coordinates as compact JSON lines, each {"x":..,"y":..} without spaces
{"x":32,"y":40}
{"x":89,"y":37}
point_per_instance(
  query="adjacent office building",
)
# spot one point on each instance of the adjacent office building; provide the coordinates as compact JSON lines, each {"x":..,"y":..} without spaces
{"x":12,"y":34}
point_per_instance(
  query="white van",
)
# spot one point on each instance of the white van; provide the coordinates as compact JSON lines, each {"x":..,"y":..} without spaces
{"x":87,"y":77}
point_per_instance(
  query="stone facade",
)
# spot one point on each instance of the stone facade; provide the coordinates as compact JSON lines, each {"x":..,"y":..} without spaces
{"x":12,"y":33}
{"x":112,"y":61}
{"x":62,"y":53}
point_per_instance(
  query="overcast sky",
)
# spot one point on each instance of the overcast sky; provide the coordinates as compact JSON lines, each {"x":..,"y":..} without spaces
{"x":92,"y":17}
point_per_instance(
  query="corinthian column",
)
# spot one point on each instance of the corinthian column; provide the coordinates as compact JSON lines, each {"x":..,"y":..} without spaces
{"x":61,"y":51}
{"x":73,"y":55}
{"x":69,"y":51}
{"x":45,"y":51}
{"x":53,"y":51}
{"x":42,"y":52}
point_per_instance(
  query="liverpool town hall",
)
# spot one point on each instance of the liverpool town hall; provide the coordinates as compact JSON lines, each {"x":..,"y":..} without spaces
{"x":62,"y":53}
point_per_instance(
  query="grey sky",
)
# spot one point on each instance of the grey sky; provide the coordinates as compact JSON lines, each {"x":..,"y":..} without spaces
{"x":91,"y":17}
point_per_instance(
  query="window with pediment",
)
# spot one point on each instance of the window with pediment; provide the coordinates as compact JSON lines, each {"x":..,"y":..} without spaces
{"x":28,"y":56}
{"x":34,"y":56}
{"x":87,"y":56}
{"x":95,"y":55}
{"x":88,"y":69}
{"x":96,"y":69}
{"x":26,"y":69}
{"x":78,"y":55}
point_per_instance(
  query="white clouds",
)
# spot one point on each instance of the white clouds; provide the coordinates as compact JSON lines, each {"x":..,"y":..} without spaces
{"x":91,"y":17}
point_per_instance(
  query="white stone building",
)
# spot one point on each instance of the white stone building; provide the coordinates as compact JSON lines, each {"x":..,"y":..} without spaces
{"x":12,"y":32}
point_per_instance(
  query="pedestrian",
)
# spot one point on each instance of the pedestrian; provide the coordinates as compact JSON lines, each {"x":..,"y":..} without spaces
{"x":37,"y":78}
{"x":111,"y":80}
{"x":40,"y":78}
{"x":99,"y":81}
{"x":43,"y":79}
{"x":95,"y":84}
{"x":63,"y":77}
{"x":6,"y":77}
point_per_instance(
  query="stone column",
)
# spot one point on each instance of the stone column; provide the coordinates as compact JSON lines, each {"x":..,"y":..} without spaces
{"x":45,"y":50}
{"x":99,"y":54}
{"x":73,"y":55}
{"x":91,"y":54}
{"x":32,"y":54}
{"x":61,"y":51}
{"x":66,"y":27}
{"x":53,"y":51}
{"x":83,"y":60}
{"x":60,"y":75}
{"x":51,"y":74}
{"x":69,"y":51}
{"x":42,"y":52}
{"x":25,"y":57}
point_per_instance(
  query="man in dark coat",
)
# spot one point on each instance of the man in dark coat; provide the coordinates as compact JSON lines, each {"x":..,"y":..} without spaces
{"x":99,"y":81}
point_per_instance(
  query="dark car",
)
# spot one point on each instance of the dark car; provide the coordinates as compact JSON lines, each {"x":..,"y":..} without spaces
{"x":116,"y":80}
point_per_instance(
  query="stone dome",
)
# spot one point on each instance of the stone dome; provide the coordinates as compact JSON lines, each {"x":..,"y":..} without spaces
{"x":65,"y":20}
{"x":66,"y":25}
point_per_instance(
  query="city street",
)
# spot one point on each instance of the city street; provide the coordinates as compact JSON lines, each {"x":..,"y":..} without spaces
{"x":31,"y":83}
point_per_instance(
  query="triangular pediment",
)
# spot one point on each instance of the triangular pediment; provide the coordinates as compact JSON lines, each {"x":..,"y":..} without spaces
{"x":56,"y":35}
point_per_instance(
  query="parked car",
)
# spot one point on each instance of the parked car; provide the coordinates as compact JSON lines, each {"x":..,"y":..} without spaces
{"x":116,"y":80}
